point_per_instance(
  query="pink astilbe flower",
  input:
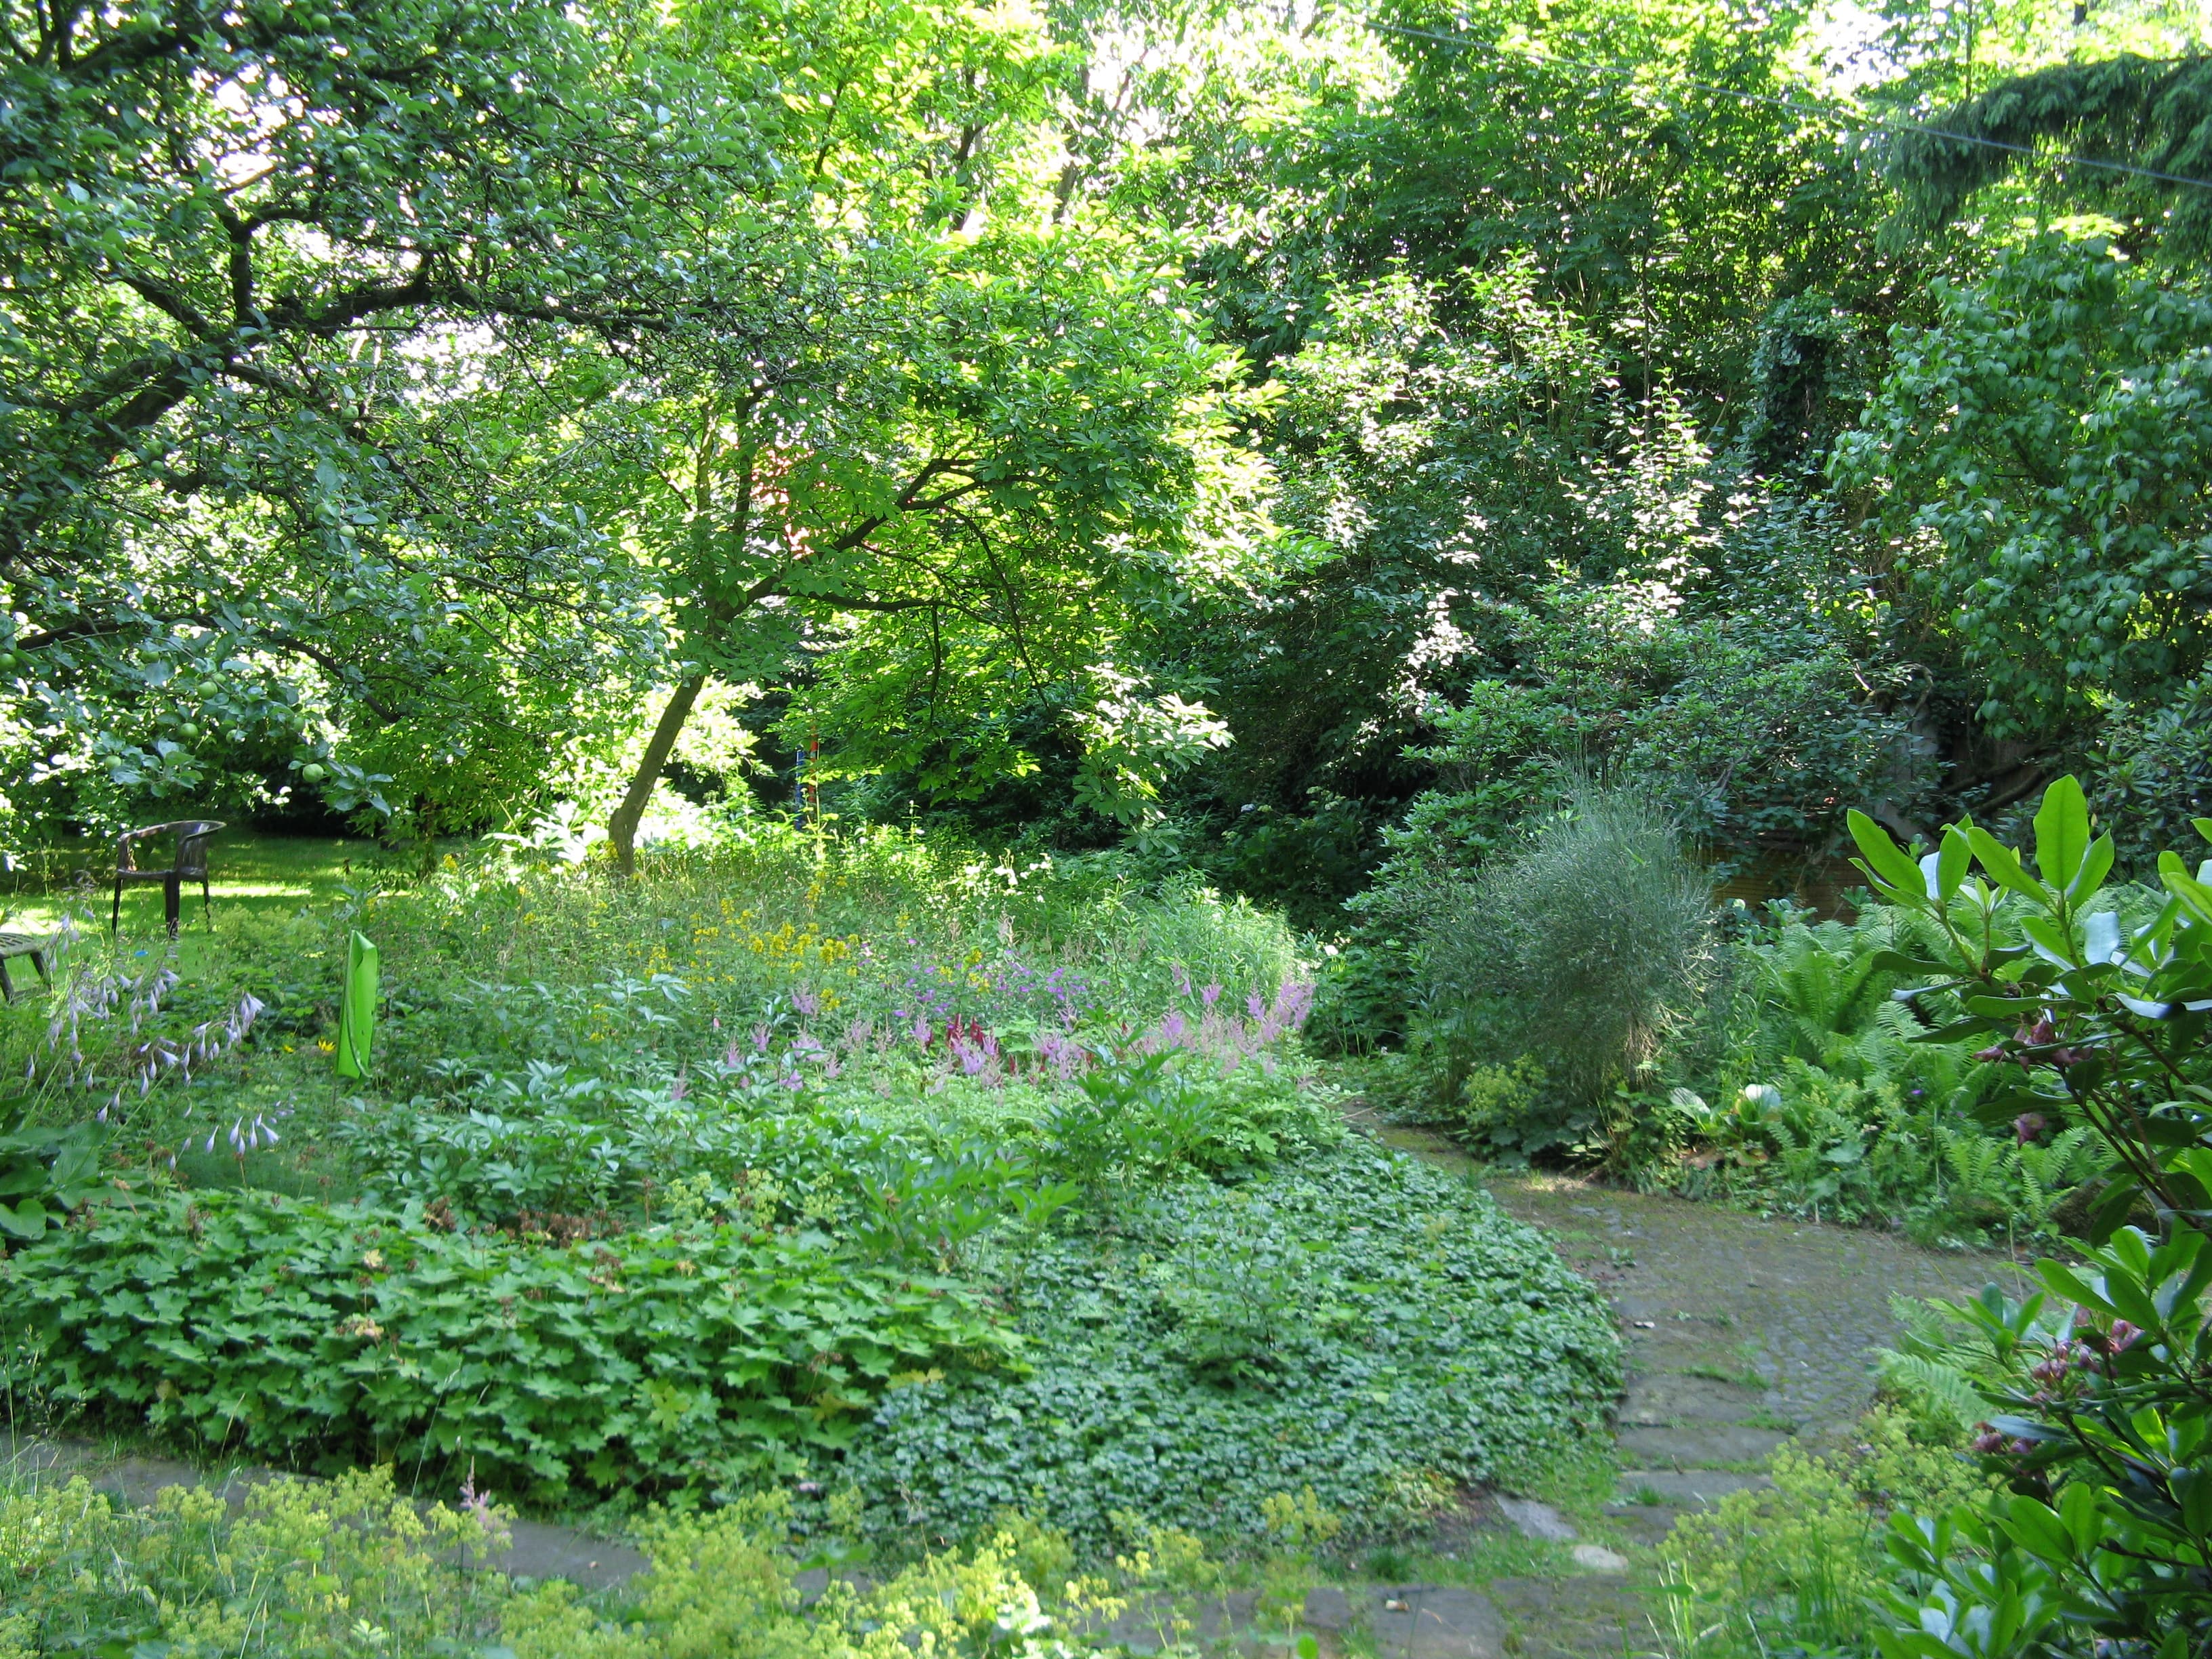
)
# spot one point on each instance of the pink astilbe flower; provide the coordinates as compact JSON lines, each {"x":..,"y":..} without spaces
{"x":1064,"y":1056}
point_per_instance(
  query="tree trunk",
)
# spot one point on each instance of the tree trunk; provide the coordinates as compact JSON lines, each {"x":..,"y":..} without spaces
{"x":622,"y":827}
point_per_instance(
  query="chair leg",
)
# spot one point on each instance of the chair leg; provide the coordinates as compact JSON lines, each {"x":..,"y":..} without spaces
{"x":207,"y":906}
{"x":38,"y":961}
{"x":7,"y":991}
{"x":115,"y":915}
{"x":173,"y":902}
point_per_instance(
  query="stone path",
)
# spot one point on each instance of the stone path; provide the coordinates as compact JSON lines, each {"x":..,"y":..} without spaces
{"x":1398,"y":1621}
{"x":1742,"y":1333}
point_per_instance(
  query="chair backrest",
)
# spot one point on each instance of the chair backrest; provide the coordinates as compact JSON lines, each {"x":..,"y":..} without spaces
{"x":192,"y":835}
{"x":192,"y":840}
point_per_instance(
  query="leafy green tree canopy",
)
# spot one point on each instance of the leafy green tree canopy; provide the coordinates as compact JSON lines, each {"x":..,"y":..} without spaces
{"x":935,"y":455}
{"x":2141,"y":128}
{"x":252,"y":259}
{"x":2039,"y":454}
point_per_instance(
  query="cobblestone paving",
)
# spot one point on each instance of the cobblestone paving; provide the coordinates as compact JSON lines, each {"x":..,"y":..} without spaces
{"x":1742,"y":1333}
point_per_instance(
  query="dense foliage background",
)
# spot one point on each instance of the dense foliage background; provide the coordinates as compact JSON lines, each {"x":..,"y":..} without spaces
{"x":1289,"y":443}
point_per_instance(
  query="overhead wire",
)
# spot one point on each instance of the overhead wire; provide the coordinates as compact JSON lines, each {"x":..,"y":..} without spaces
{"x":1865,"y":121}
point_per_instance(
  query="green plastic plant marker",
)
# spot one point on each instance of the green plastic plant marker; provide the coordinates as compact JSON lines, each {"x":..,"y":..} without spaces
{"x":357,"y":1007}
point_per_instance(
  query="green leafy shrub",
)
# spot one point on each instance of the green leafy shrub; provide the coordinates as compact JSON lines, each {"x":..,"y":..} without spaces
{"x":1151,"y":1114}
{"x":1353,"y":1322}
{"x":2099,"y":1416}
{"x":1579,"y":951}
{"x":1495,"y":1101}
{"x":303,"y":1333}
{"x":1749,"y":698}
{"x":1363,"y":995}
{"x":1826,"y":1101}
{"x":2052,"y":419}
{"x":2154,"y":774}
{"x":570,"y":1150}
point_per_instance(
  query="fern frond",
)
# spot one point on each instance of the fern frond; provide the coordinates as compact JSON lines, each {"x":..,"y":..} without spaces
{"x":1933,"y":1386}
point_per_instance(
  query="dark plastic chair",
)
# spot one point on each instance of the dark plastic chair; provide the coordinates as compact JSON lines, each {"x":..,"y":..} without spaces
{"x":191,"y":864}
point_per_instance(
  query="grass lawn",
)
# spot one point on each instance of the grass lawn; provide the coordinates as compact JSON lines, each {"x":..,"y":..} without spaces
{"x":253,"y":869}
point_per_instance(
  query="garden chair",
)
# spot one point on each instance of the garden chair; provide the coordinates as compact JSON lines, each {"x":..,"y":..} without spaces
{"x":33,"y":945}
{"x":190,"y":863}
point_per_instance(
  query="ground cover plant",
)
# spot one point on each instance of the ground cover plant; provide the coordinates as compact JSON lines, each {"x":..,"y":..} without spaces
{"x":320,"y":1337}
{"x":311,"y":1571}
{"x":747,"y":1172}
{"x":1354,"y":1323}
